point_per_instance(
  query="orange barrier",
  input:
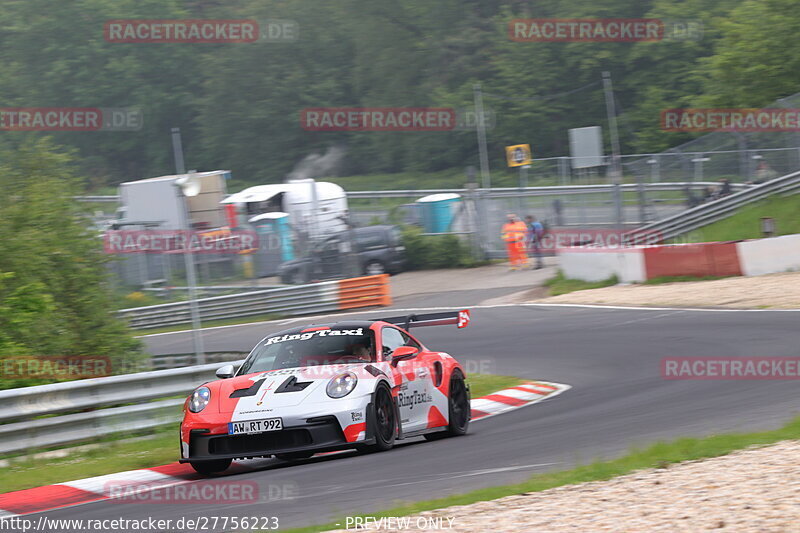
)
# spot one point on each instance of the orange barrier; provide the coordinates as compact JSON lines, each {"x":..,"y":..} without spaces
{"x":367,"y":291}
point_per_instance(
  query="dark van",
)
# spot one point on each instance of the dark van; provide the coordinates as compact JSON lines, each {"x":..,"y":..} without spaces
{"x":378,"y":250}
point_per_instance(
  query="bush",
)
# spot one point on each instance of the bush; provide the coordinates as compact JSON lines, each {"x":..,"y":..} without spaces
{"x":436,"y":251}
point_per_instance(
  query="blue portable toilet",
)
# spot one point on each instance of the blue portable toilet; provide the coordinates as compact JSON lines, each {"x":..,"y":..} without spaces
{"x":438,"y":211}
{"x":274,"y":241}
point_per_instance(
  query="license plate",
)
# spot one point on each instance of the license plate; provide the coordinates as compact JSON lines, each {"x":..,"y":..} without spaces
{"x":249,"y":427}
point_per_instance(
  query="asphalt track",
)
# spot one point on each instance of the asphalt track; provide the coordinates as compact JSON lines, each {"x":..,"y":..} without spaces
{"x":618,"y":399}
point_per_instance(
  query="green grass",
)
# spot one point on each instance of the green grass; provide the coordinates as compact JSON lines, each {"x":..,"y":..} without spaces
{"x":659,"y":455}
{"x":112,"y":456}
{"x":483,"y":384}
{"x":746,"y":223}
{"x":562,"y":285}
{"x":162,"y":448}
{"x":672,"y":279}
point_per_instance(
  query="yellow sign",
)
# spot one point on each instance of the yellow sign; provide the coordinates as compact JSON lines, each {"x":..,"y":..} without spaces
{"x":518,"y":155}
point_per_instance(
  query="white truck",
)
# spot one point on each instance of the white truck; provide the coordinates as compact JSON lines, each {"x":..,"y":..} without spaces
{"x":157,"y":203}
{"x":315,"y":208}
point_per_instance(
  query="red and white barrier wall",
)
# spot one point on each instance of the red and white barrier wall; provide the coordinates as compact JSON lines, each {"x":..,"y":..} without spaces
{"x":640,"y":263}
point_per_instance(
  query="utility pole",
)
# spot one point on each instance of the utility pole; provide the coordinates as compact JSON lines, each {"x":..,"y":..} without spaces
{"x":480,"y":126}
{"x":523,"y":184}
{"x":191,"y":279}
{"x":616,"y":171}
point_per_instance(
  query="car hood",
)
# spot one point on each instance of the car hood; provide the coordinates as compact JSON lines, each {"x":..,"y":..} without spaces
{"x":263,"y":392}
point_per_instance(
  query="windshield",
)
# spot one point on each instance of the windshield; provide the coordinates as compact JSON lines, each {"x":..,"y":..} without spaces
{"x":328,"y":346}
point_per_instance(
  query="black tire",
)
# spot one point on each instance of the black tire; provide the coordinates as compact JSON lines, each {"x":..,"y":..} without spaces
{"x":211,"y":467}
{"x":296,"y":277}
{"x":293,"y":456}
{"x":374,"y":268}
{"x":458,"y":407}
{"x":385,"y":420}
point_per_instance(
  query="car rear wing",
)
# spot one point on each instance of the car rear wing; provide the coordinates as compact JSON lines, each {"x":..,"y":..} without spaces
{"x":459,"y":318}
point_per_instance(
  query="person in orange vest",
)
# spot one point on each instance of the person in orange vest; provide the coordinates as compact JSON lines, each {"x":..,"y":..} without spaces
{"x":513,"y":234}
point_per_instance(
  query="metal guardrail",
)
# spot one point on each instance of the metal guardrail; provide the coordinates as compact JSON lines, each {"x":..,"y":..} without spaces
{"x":313,"y":298}
{"x":710,"y":212}
{"x":181,"y":360}
{"x":504,"y":192}
{"x":498,"y":192}
{"x":96,"y":407}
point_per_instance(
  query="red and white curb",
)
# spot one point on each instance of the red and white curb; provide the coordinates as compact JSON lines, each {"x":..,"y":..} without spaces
{"x":514,"y":398}
{"x":106,"y":487}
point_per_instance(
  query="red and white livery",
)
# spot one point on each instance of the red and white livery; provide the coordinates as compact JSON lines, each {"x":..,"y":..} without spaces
{"x":355,"y":384}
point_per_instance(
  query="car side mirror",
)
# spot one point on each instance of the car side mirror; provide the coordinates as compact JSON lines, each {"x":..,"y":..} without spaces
{"x":225,"y":372}
{"x":402,"y":353}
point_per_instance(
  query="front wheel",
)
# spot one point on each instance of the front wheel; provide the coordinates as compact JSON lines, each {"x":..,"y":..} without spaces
{"x":385,"y":421}
{"x":211,"y":467}
{"x":458,"y":408}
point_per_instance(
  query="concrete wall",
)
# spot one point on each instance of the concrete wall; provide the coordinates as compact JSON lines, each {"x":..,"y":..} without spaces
{"x":765,"y":256}
{"x":597,"y":264}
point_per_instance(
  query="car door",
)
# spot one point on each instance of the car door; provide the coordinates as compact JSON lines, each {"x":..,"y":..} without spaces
{"x":415,"y":395}
{"x":329,"y":259}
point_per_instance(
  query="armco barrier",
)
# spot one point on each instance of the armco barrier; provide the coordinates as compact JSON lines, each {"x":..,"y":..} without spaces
{"x":28,"y":402}
{"x":95,"y":407}
{"x":707,"y":213}
{"x":640,"y":263}
{"x":313,"y":298}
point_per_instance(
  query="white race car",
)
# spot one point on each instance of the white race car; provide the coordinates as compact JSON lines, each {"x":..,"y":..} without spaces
{"x":357,"y":384}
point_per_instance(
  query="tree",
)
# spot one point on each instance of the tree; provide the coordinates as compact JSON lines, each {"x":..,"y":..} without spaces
{"x":57,"y":297}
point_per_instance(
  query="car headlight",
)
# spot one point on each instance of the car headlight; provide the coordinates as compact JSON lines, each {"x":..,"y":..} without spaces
{"x":342,"y":385}
{"x":199,"y":399}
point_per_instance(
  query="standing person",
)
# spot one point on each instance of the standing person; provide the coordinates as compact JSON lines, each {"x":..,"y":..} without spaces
{"x":558,"y":209}
{"x":513,"y":234}
{"x":535,"y":235}
{"x":764,"y":173}
{"x":725,"y":187}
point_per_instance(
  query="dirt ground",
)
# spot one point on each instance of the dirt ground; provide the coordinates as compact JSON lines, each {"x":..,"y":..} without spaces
{"x":770,"y":291}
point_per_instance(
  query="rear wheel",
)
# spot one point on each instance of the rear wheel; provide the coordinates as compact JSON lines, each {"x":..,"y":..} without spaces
{"x":458,"y":408}
{"x":374,"y":268}
{"x":297,"y":277}
{"x":211,"y":467}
